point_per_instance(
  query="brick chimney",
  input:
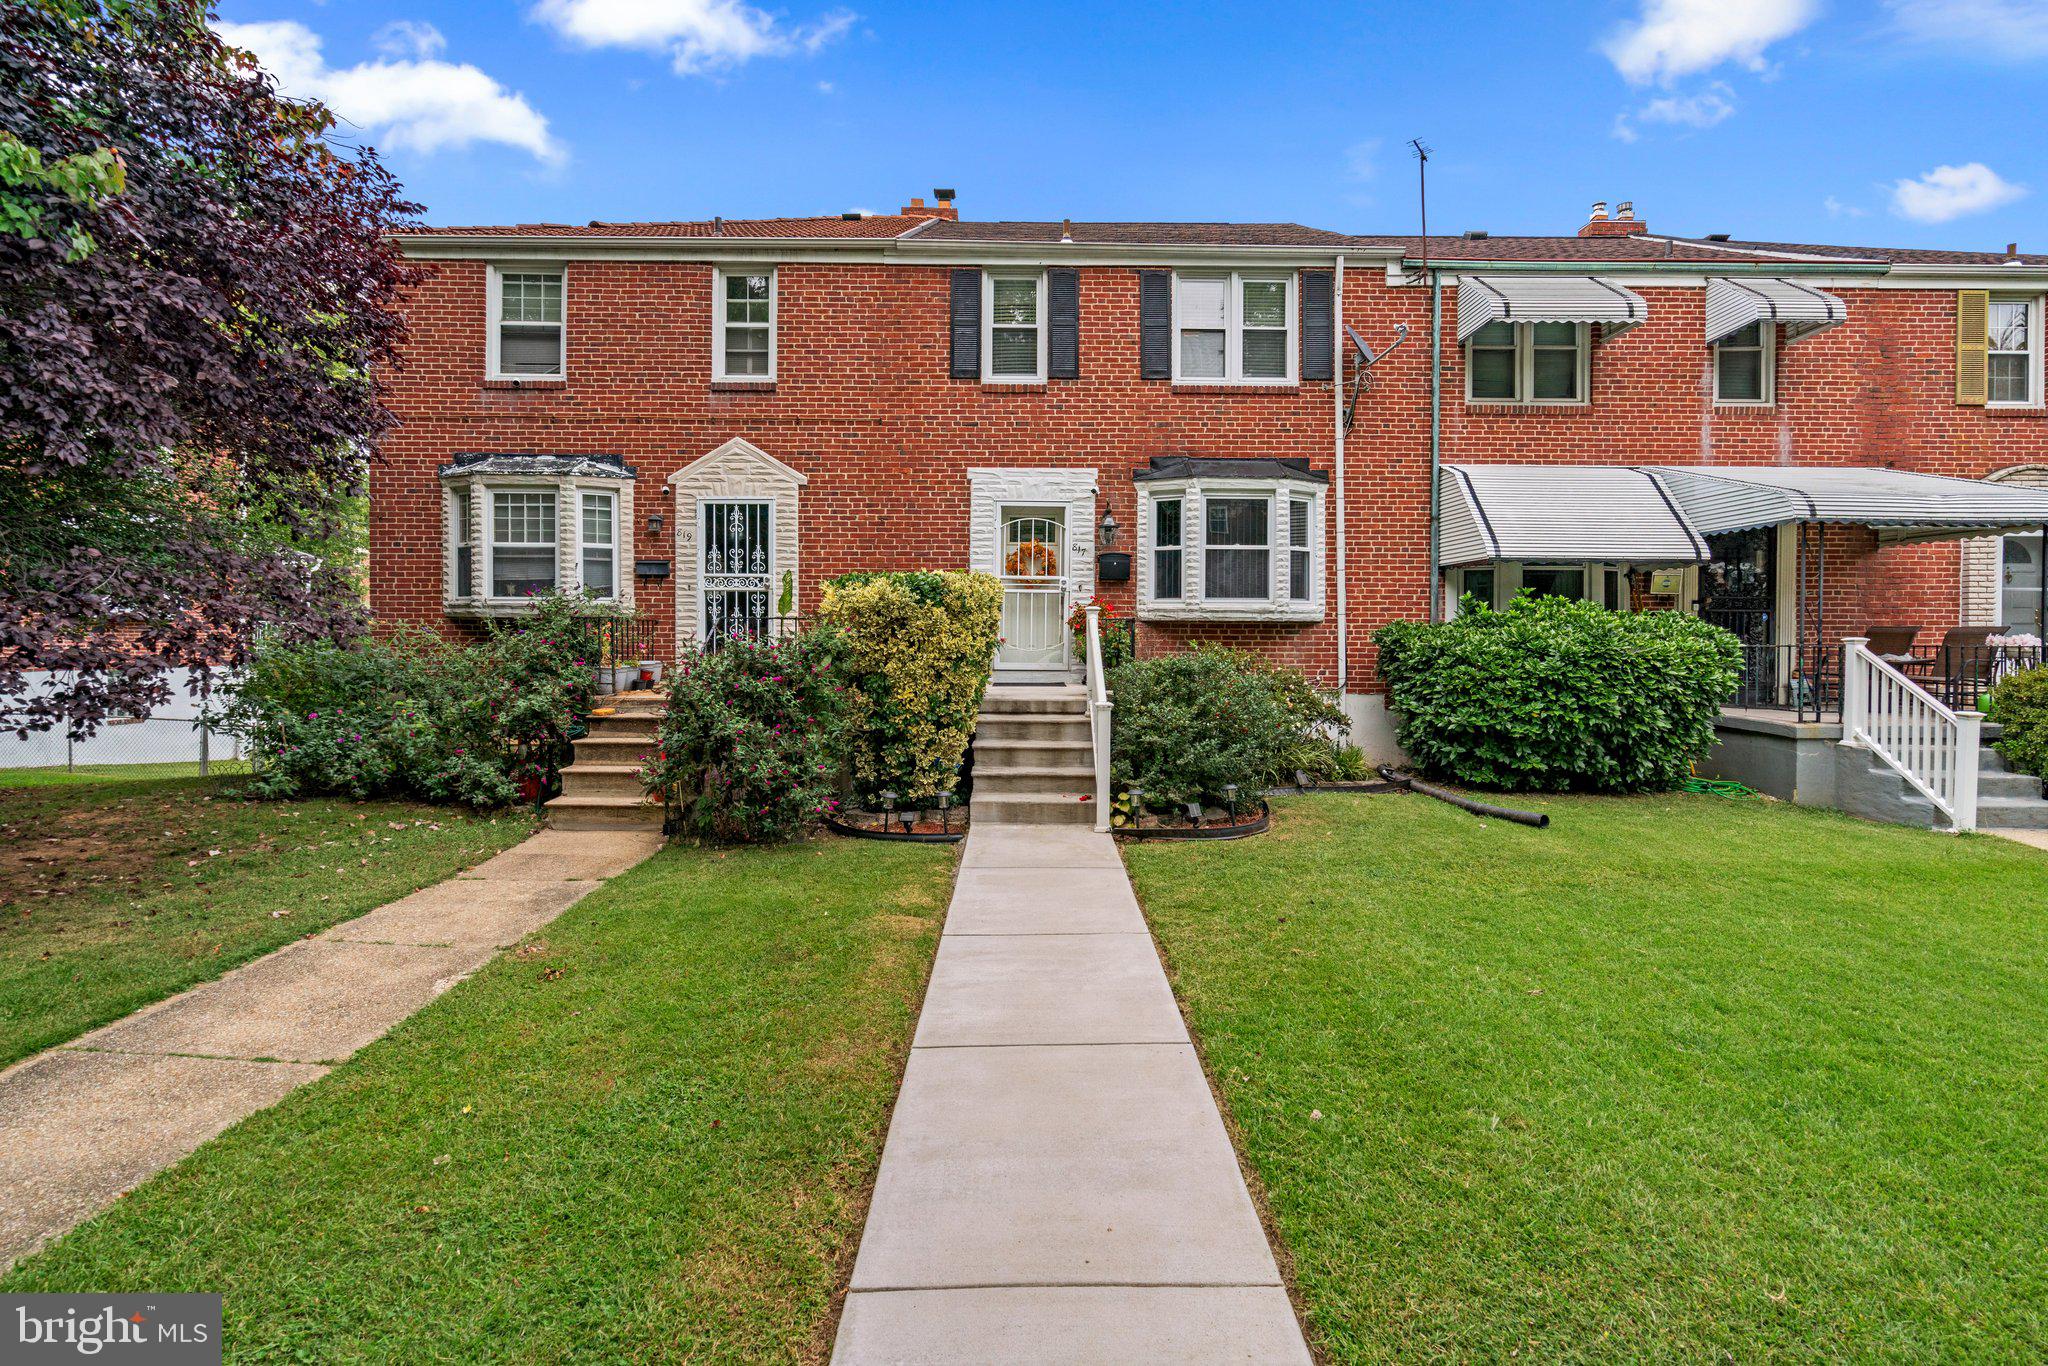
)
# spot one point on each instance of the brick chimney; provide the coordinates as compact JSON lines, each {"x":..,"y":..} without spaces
{"x":1623,"y":224}
{"x":945,"y":208}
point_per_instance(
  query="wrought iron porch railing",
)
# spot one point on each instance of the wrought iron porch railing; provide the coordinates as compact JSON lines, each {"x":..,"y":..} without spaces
{"x":1960,"y":675}
{"x":1803,"y":680}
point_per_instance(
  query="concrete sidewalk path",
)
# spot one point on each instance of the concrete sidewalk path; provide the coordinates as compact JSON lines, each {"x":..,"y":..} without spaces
{"x":84,"y":1122}
{"x":1057,"y":1184}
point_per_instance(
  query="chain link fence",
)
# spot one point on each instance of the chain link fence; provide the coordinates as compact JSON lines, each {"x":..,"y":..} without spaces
{"x":171,"y":742}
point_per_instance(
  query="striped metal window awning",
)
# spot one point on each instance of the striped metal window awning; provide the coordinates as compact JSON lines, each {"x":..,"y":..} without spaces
{"x":1562,"y":513}
{"x":1734,"y":304}
{"x":1900,"y":505}
{"x":1484,"y":299}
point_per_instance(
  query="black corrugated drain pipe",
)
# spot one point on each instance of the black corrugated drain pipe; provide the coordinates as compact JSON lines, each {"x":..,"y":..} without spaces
{"x":1463,"y":803}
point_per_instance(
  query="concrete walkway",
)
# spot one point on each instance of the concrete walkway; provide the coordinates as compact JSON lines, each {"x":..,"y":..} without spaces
{"x":82,"y":1123}
{"x":1057,"y":1184}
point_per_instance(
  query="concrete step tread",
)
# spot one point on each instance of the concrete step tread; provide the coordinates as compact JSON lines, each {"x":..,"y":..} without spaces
{"x":995,"y":799}
{"x":1010,"y":742}
{"x":568,"y":801}
{"x":2012,"y":804}
{"x":581,"y":766}
{"x":1043,"y":771}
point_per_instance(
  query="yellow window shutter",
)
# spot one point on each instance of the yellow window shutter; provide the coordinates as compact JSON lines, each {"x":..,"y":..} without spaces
{"x":1973,"y":345}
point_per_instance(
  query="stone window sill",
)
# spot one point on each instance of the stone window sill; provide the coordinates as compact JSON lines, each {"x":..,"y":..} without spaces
{"x":1297,"y":614}
{"x":534,"y":385}
{"x":1182,"y":387}
{"x":743,"y":386}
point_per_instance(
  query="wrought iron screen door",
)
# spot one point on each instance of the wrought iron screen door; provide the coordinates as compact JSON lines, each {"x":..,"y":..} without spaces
{"x":738,"y":570}
{"x":1032,"y":557}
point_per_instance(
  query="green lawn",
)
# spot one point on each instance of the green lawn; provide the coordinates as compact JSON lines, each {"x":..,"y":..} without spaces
{"x":1676,"y":1078}
{"x":648,"y":1134}
{"x":59,"y":776}
{"x":113,"y":895}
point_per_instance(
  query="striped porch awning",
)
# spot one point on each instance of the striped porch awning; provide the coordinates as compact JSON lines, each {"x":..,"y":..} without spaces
{"x":1900,"y":505}
{"x":1734,"y":304}
{"x":1562,"y":514}
{"x":1484,"y":299}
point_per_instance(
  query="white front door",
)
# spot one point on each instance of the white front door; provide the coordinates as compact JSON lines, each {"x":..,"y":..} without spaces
{"x":1031,"y":560}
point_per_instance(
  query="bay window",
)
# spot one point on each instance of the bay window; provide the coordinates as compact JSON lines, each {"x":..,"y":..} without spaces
{"x":1230,"y":540}
{"x":1166,"y":544}
{"x":526,"y":324}
{"x":1527,"y":363}
{"x":1233,"y":328}
{"x":522,"y":542}
{"x":517,"y":527}
{"x":743,"y":340}
{"x":600,"y":562}
{"x":1238,"y":562}
{"x":1301,"y":550}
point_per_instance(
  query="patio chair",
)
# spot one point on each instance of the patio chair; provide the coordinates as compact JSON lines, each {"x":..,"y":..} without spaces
{"x":1960,"y":669}
{"x":1892,"y":644}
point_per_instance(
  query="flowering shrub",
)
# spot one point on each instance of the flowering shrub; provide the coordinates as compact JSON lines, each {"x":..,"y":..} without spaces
{"x":415,"y":715}
{"x":1119,"y":646}
{"x":916,"y":650}
{"x":1550,"y":694}
{"x":751,"y":748}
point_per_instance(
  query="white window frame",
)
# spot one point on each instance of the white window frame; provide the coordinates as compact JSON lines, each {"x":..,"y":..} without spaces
{"x":1233,"y":328}
{"x":1767,"y":386}
{"x":988,"y":326}
{"x":490,"y":543}
{"x":1188,"y":600}
{"x":583,"y":547}
{"x":1508,"y":581}
{"x":494,"y":316}
{"x":719,"y":374}
{"x":458,"y":509}
{"x":2034,"y":397}
{"x":1525,"y":372}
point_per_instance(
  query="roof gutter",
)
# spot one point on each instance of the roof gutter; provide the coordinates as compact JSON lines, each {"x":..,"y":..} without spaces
{"x":1765,"y":268}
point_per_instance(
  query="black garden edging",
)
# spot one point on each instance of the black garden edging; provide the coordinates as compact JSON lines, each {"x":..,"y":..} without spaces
{"x":861,"y":832}
{"x":1256,"y":826}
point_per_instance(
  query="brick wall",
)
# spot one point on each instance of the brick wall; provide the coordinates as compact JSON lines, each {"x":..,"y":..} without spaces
{"x":863,"y":407}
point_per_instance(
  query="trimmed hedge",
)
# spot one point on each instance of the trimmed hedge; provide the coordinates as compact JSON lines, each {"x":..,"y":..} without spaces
{"x":916,"y":650}
{"x":1554,"y":695}
{"x":2020,"y":704}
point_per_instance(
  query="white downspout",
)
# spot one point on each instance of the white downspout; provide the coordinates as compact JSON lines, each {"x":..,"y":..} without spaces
{"x":1337,"y":441}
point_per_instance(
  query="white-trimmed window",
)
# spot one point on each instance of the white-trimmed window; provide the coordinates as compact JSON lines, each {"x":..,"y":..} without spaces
{"x":2015,"y":356}
{"x":462,"y":544}
{"x":1233,"y":328}
{"x":1237,"y":561}
{"x":743,"y":330}
{"x":1013,"y":327}
{"x":1744,"y":365}
{"x":599,"y":563}
{"x":1167,"y":583}
{"x":1527,"y":363}
{"x":1301,"y":549}
{"x":526,"y":329}
{"x":522,"y":542}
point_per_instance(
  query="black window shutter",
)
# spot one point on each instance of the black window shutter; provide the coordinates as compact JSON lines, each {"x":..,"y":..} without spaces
{"x":1155,"y":324}
{"x":1318,"y":324}
{"x":1063,"y":309}
{"x":966,"y":324}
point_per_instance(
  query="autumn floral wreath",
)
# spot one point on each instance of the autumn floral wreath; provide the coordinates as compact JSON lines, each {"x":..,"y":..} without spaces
{"x":1033,"y":559}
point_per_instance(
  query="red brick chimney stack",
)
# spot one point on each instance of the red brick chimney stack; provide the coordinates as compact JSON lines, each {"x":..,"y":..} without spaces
{"x":945,"y":208}
{"x":1623,"y":224}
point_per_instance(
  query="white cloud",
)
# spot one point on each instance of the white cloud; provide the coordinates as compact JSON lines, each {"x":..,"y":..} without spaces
{"x":1702,"y":110}
{"x":1948,"y":192}
{"x":1837,"y":209}
{"x":415,"y":102}
{"x":696,"y":35}
{"x":1993,"y":29}
{"x":1362,"y":160}
{"x":1675,"y":38}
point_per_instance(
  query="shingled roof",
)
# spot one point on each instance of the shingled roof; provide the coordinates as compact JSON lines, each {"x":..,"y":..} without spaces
{"x":833,"y":225}
{"x":1638,"y":248}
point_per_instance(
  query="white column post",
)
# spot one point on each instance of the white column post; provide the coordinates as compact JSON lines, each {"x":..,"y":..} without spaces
{"x":1855,"y":682}
{"x":1969,"y":753}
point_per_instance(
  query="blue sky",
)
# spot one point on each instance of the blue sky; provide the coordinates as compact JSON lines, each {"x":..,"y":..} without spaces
{"x":1895,"y":122}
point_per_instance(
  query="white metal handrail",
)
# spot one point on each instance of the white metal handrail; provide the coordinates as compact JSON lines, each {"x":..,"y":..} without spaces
{"x":1934,"y":749}
{"x":1098,"y":714}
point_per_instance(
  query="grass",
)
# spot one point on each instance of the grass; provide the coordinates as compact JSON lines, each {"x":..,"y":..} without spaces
{"x":59,"y":776}
{"x":1675,"y":1078}
{"x":648,"y":1134}
{"x":113,"y":895}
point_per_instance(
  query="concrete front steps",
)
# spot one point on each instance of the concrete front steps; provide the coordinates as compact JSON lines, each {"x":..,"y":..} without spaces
{"x":1867,"y":786}
{"x":601,"y":788}
{"x":1033,"y":761}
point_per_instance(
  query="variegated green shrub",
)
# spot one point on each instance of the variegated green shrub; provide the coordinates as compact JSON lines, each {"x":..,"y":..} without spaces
{"x":916,"y":649}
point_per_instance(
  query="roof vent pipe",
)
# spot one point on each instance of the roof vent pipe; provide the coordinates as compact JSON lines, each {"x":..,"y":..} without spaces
{"x":1067,"y":230}
{"x":718,"y":226}
{"x":1625,"y":211}
{"x":1599,"y":214}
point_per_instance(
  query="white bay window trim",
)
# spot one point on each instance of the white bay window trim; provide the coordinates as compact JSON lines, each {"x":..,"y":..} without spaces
{"x":1190,"y":599}
{"x":990,"y":326}
{"x":497,"y":323}
{"x":724,"y":320}
{"x":1194,"y":313}
{"x":576,"y":487}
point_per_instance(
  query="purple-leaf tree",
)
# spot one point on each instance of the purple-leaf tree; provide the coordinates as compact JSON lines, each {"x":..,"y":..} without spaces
{"x":196,"y":298}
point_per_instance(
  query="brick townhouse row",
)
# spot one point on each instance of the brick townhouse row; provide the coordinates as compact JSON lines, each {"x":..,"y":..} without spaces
{"x":1225,"y":430}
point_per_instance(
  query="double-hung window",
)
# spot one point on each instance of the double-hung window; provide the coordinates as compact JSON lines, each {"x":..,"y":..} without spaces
{"x":1238,"y":561}
{"x":522,"y":542}
{"x":1743,"y":364}
{"x":1300,"y":549}
{"x":1013,"y":327}
{"x":462,"y":535}
{"x":1166,"y":549}
{"x":600,"y":559}
{"x":1235,"y":328}
{"x":1526,"y":363}
{"x":743,"y":339}
{"x":2015,"y":356}
{"x":526,"y":338}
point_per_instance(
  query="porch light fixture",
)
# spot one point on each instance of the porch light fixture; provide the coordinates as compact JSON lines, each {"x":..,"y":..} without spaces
{"x":1108,"y":529}
{"x":655,"y":522}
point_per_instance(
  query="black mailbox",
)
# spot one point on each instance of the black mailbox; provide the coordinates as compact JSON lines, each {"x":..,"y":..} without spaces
{"x":1113,"y":566}
{"x":650,"y":569}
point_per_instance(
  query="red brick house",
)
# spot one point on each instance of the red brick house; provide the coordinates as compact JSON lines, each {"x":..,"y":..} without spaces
{"x":685,"y":416}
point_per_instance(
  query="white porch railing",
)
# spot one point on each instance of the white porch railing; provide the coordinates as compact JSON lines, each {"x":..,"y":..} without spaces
{"x":1098,"y":715}
{"x":1934,"y":749}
